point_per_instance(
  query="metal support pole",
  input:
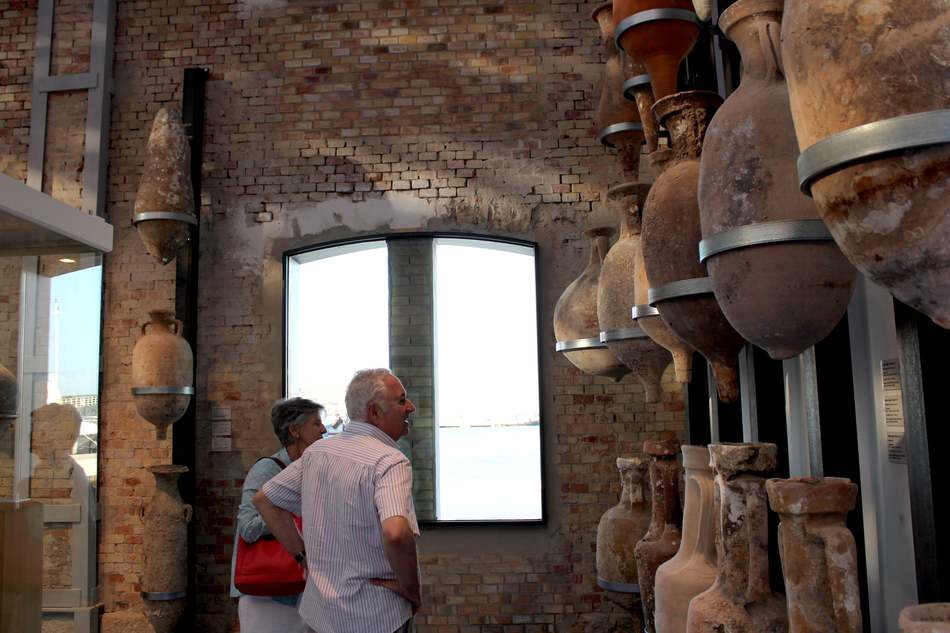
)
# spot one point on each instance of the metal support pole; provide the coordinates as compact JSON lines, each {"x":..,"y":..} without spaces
{"x":750,"y":414}
{"x":809,"y":370}
{"x":713,"y":405}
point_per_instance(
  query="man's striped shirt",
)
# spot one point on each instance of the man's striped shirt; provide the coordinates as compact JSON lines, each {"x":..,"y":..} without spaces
{"x":344,"y":488}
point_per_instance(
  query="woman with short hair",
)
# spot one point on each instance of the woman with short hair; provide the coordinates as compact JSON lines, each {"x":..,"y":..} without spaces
{"x":298,"y":423}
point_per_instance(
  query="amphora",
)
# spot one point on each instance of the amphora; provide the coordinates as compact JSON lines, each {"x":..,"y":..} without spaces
{"x":925,"y":618}
{"x":162,"y":371}
{"x":693,"y":569}
{"x":870,"y":96}
{"x":819,"y":557}
{"x":789,"y":293}
{"x":616,"y":296}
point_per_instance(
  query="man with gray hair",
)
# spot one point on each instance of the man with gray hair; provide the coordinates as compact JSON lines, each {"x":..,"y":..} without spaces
{"x":355,"y":493}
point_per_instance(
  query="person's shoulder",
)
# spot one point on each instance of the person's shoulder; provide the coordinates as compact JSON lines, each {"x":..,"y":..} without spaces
{"x":265,"y":467}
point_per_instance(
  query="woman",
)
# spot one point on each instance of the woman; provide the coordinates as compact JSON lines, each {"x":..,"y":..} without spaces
{"x":298,"y":423}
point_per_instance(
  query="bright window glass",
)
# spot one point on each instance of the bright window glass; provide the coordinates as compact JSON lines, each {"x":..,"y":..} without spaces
{"x":337,"y":321}
{"x":486,"y":376}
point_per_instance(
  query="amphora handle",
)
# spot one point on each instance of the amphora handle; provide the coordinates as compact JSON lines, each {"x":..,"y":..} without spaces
{"x":771,"y":49}
{"x":839,"y":552}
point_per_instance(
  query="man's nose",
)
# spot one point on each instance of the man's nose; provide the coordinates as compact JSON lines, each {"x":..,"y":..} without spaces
{"x":412,"y":407}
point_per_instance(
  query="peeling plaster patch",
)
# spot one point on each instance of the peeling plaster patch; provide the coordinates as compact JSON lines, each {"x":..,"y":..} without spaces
{"x":251,"y":5}
{"x":885,"y":220}
{"x":394,"y":210}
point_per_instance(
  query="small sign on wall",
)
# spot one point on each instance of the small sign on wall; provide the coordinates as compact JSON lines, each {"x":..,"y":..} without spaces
{"x":893,"y":410}
{"x":220,"y":429}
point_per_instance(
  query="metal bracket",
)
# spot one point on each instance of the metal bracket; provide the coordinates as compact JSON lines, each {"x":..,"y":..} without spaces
{"x":163,"y":391}
{"x":634,"y":82}
{"x":643,"y":310}
{"x":164,"y":215}
{"x":681,"y":288}
{"x":872,"y":140}
{"x":616,"y":128}
{"x":619,"y":587}
{"x":652,"y":15}
{"x":624,"y":334}
{"x":764,"y":233}
{"x":579,"y":344}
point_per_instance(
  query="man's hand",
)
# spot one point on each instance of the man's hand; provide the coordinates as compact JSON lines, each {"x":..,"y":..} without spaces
{"x":393,"y":585}
{"x":280,"y":523}
{"x":399,"y":543}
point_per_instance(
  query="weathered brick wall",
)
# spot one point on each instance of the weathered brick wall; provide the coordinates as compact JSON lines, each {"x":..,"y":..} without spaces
{"x":9,"y":332}
{"x":17,"y":43}
{"x":333,"y":119}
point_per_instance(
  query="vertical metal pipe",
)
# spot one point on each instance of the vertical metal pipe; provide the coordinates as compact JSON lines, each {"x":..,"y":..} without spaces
{"x":713,"y":405}
{"x":809,"y":384}
{"x":750,"y":412}
{"x":798,"y":457}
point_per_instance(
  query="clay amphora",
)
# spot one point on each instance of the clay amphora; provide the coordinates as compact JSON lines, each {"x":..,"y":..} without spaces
{"x":849,"y":63}
{"x":166,"y":521}
{"x":783,"y":297}
{"x":642,"y":95}
{"x":662,"y":540}
{"x":925,"y":618}
{"x":740,"y":600}
{"x":617,"y":534}
{"x":8,"y":395}
{"x":671,"y":235}
{"x":165,"y":187}
{"x":693,"y":569}
{"x":703,"y":9}
{"x":162,"y":358}
{"x":819,"y":557}
{"x":613,"y":108}
{"x":575,"y":315}
{"x":656,"y":329}
{"x":616,"y":294}
{"x":661,"y":44}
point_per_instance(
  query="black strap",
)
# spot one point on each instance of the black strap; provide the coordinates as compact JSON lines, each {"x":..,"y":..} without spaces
{"x":276,"y":461}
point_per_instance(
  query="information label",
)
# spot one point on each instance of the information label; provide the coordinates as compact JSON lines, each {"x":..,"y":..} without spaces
{"x":893,"y":410}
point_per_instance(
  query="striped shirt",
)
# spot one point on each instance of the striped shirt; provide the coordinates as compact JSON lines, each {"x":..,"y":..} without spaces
{"x":345,"y":487}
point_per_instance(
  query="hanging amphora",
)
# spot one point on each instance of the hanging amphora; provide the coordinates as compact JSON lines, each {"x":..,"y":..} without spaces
{"x":819,"y":556}
{"x":870,"y":96}
{"x":162,"y":371}
{"x":619,"y":530}
{"x":616,"y":294}
{"x":617,"y":119}
{"x":662,"y":540}
{"x":740,"y":600}
{"x":693,"y":569}
{"x":164,"y":205}
{"x":165,"y":578}
{"x":658,"y":33}
{"x":933,"y":617}
{"x":778,"y":276}
{"x":575,"y":316}
{"x":670,"y":240}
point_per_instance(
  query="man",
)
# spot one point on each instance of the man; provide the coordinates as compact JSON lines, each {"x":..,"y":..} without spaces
{"x":354,"y":492}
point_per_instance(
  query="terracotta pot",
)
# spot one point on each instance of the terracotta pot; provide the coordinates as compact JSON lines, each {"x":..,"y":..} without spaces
{"x":740,"y":600}
{"x":661,"y":44}
{"x":819,"y":557}
{"x":703,"y":9}
{"x":925,"y":618}
{"x":575,"y":315}
{"x":619,"y":530}
{"x":8,"y":395}
{"x":784,"y":296}
{"x":166,"y":521}
{"x":162,"y":358}
{"x":693,"y":569}
{"x":616,"y":294}
{"x":166,"y":187}
{"x":614,"y":108}
{"x":844,"y":69}
{"x":671,"y":236}
{"x":658,"y":331}
{"x":662,"y":540}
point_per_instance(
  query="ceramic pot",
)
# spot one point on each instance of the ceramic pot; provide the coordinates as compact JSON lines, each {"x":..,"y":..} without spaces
{"x":693,"y":569}
{"x":8,"y":395}
{"x":785,"y":296}
{"x":165,"y":187}
{"x":925,"y":618}
{"x":613,"y":108}
{"x":616,"y":294}
{"x":658,"y":331}
{"x":662,"y":540}
{"x":661,"y":44}
{"x":575,"y":315}
{"x":641,"y":93}
{"x":166,"y":521}
{"x":819,"y":557}
{"x":162,"y":359}
{"x":740,"y":600}
{"x":671,"y":236}
{"x":703,"y":9}
{"x":849,"y":63}
{"x":619,"y":530}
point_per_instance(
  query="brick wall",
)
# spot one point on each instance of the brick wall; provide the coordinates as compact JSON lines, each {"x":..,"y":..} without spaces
{"x":334,"y":119}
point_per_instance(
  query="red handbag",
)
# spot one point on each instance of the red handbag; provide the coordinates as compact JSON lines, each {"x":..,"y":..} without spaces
{"x":265,"y":568}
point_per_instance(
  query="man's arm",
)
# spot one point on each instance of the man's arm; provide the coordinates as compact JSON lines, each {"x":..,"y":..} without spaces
{"x":281,"y":524}
{"x":399,"y":543}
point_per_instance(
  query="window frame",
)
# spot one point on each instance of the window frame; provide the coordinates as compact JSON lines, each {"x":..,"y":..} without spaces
{"x":289,"y":254}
